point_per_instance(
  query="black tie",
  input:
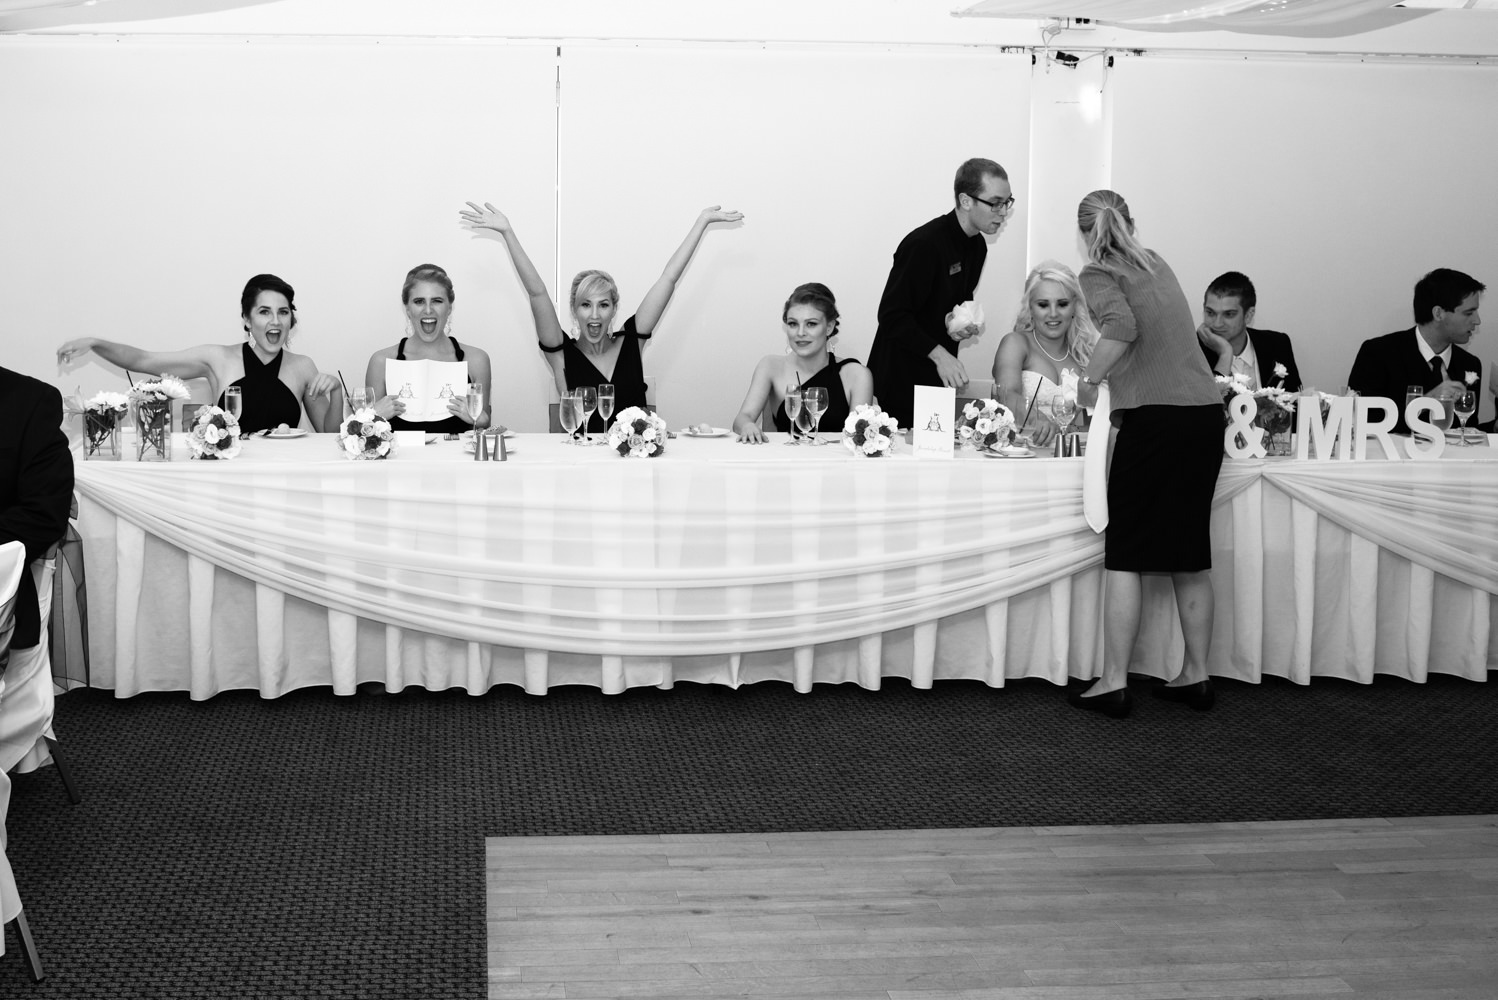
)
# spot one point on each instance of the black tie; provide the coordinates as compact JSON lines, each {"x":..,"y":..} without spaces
{"x":1436,"y":369}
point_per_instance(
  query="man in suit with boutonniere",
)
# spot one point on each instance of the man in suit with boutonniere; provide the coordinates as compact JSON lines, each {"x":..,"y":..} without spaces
{"x":1430,"y":355}
{"x":1263,"y":357}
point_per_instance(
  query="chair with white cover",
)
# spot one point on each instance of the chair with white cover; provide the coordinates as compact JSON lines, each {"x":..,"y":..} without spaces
{"x":27,"y":741}
{"x":12,"y":565}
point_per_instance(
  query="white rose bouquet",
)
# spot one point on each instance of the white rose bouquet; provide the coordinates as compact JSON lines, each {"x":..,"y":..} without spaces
{"x":986,"y":423}
{"x":869,"y":431}
{"x":366,"y":436}
{"x":638,"y":433}
{"x":214,"y":434}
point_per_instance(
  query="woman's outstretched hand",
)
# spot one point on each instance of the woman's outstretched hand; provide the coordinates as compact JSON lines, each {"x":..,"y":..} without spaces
{"x":715,"y":213}
{"x":475,"y":218}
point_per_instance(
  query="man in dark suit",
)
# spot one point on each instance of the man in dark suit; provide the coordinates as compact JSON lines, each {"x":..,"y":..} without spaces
{"x":1263,"y":357}
{"x":1431,"y":354}
{"x":36,"y":484}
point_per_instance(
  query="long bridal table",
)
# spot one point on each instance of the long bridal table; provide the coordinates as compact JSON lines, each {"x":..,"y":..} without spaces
{"x":730,"y":564}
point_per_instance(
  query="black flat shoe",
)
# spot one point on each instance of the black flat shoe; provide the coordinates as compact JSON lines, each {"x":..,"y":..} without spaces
{"x":1113,"y":704}
{"x":1199,"y":696}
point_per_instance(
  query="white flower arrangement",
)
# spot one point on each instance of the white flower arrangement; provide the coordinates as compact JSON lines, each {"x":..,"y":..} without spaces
{"x":364,"y":435}
{"x":101,"y":422}
{"x":637,"y":433}
{"x":1470,"y":378}
{"x":162,"y":389}
{"x":986,"y":423}
{"x":108,"y":402}
{"x":869,"y":431}
{"x":1232,"y":384}
{"x":214,"y":434}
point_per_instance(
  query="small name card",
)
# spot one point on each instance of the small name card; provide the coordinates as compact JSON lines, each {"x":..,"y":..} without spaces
{"x":935,"y":419}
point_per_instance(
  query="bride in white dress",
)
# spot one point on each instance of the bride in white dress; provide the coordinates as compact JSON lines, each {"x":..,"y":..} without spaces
{"x":1053,"y":333}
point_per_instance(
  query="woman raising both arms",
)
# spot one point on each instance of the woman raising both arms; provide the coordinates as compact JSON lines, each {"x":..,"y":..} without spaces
{"x":598,"y":354}
{"x":276,"y":383}
{"x":810,"y":321}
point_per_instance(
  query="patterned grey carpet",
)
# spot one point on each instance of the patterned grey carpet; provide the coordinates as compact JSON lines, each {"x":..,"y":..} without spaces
{"x":316,"y":846}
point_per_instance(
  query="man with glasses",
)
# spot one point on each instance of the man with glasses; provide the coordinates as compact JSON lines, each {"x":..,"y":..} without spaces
{"x":936,"y":268}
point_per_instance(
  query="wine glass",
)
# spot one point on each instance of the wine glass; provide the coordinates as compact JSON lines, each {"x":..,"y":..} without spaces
{"x":568,"y":413}
{"x":1464,"y":407}
{"x":793,"y":410}
{"x":234,"y":401}
{"x":814,"y":403}
{"x":475,"y":402}
{"x":1064,"y":410}
{"x":360,"y":397}
{"x":587,"y":402}
{"x":605,"y":405}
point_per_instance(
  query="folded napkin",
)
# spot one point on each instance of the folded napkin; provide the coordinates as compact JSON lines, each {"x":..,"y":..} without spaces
{"x":969,"y":313}
{"x":1095,"y":465}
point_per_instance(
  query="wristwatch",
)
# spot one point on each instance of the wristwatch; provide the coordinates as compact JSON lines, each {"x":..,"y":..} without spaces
{"x":1091,"y":381}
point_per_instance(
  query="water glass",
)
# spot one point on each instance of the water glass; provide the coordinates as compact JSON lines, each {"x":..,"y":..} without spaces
{"x":234,"y":401}
{"x":360,"y":397}
{"x":1464,"y":407}
{"x":793,"y":410}
{"x":568,"y":413}
{"x":814,"y":402}
{"x":1411,"y":393}
{"x":587,"y":402}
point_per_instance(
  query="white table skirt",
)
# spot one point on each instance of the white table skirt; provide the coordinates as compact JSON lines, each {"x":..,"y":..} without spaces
{"x":730,"y":564}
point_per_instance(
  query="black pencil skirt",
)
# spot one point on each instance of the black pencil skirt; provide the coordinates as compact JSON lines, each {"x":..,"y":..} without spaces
{"x":1160,"y":486}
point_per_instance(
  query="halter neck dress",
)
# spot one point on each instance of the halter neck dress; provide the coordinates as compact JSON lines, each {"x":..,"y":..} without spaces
{"x":267,"y":402}
{"x":836,"y":413}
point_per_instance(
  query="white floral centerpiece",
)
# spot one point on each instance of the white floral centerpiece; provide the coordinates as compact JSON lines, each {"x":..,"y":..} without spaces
{"x":638,"y":433}
{"x":214,"y":434}
{"x":1276,"y":415}
{"x":1230,"y":385}
{"x":869,"y":431}
{"x":152,"y":401}
{"x":364,"y":435}
{"x":101,"y":424}
{"x":986,"y":423}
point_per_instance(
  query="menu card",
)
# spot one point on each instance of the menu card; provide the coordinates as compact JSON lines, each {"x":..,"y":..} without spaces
{"x":426,"y":386}
{"x":934,"y":427}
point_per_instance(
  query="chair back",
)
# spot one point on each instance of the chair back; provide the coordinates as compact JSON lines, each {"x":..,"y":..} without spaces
{"x":12,"y":565}
{"x":189,"y":415}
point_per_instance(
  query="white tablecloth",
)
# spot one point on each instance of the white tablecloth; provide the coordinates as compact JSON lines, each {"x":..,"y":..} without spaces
{"x":730,"y":564}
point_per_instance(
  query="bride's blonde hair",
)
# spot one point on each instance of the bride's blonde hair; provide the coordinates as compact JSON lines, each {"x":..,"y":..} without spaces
{"x":1083,"y":335}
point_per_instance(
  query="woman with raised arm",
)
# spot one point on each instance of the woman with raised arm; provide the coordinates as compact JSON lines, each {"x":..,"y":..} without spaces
{"x":1053,"y":332}
{"x":598,"y":353}
{"x":1168,"y":412}
{"x":427,"y":295}
{"x":277,"y":384}
{"x":810,"y":321}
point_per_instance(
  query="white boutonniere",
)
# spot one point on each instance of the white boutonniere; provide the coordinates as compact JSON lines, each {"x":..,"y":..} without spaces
{"x":1280,"y":371}
{"x":1470,"y":378}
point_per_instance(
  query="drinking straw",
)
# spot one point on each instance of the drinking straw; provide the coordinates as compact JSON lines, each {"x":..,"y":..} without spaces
{"x":1025,"y":421}
{"x":342,"y":382}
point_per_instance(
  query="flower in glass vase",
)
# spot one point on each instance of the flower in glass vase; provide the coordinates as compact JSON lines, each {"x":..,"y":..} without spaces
{"x":869,"y":431}
{"x":152,"y":399}
{"x":1276,"y":414}
{"x":986,"y":423}
{"x":364,"y":435}
{"x":1234,"y":384}
{"x":214,"y":434}
{"x":637,"y":433}
{"x":101,"y":424}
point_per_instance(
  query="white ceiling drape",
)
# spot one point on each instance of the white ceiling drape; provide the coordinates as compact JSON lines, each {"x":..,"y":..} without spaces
{"x":31,"y":15}
{"x":1270,"y":17}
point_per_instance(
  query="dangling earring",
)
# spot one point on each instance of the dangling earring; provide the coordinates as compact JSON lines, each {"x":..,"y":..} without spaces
{"x":249,"y":338}
{"x":448,"y":329}
{"x":410,"y":330}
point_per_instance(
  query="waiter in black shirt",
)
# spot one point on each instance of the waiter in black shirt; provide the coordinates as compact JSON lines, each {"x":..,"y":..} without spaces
{"x":936,"y":268}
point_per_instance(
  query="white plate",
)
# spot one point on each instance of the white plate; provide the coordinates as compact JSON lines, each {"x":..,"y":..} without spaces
{"x":1009,"y":453}
{"x":295,"y":432}
{"x":717,"y":432}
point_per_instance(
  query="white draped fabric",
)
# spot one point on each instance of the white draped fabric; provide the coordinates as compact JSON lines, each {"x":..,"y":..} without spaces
{"x":1280,"y":17}
{"x":728,"y":563}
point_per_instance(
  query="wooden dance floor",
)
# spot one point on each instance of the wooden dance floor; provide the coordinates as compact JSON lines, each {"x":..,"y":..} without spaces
{"x":1369,"y":908}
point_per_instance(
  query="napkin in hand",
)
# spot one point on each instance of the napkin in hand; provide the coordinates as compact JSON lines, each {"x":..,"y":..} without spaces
{"x":967,"y":314}
{"x":1095,"y":464}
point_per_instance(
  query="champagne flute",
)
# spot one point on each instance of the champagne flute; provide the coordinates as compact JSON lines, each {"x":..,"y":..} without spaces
{"x":568,"y":413}
{"x":1465,"y":406}
{"x":234,"y":401}
{"x":793,"y":410}
{"x":605,"y":406}
{"x":587,"y":402}
{"x":814,"y":402}
{"x":1411,"y":393}
{"x":475,"y":402}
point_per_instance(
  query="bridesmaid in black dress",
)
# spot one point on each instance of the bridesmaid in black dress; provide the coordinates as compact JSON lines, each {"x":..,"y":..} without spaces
{"x":810,"y":321}
{"x":597,"y":353}
{"x":428,"y":299}
{"x":277,"y":383}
